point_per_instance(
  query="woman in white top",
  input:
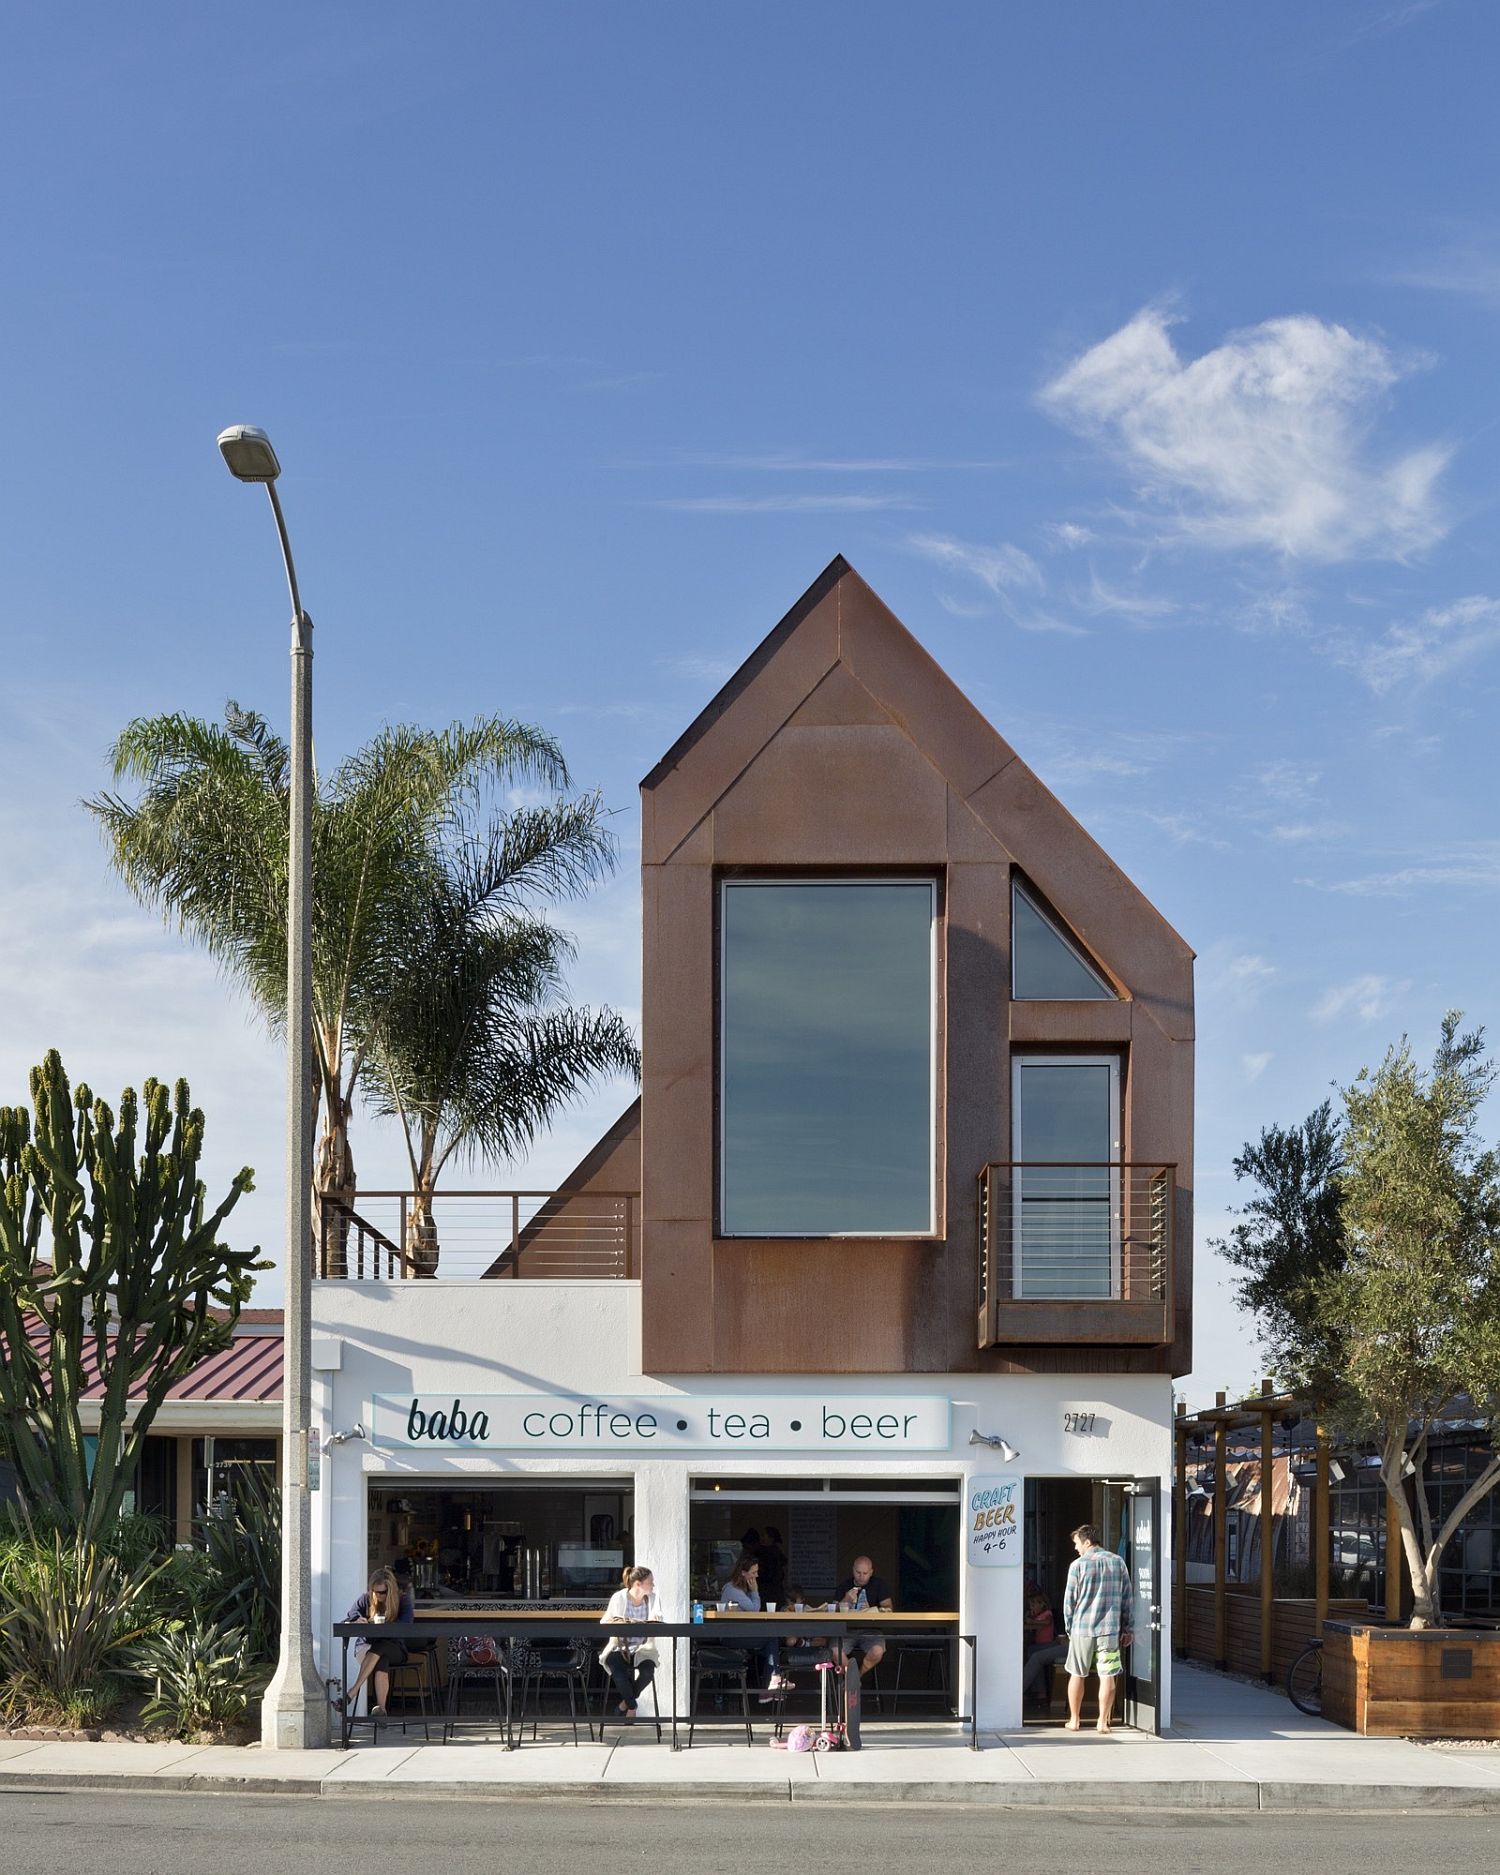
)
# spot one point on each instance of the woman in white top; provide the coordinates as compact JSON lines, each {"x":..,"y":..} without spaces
{"x":742,"y":1591}
{"x":630,"y":1661}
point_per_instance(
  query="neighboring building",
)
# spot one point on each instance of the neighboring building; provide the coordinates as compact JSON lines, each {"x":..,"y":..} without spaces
{"x":225,"y":1414}
{"x":898,"y":1234}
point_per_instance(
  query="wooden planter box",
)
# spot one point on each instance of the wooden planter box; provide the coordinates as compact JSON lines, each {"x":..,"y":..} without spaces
{"x":1412,"y":1682}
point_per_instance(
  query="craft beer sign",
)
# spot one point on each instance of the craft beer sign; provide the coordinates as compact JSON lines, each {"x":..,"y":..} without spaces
{"x":549,"y":1422}
{"x":994,"y":1516}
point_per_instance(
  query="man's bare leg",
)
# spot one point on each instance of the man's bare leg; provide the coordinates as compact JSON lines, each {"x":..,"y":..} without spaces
{"x":1107,"y":1684}
{"x":1076,"y":1684}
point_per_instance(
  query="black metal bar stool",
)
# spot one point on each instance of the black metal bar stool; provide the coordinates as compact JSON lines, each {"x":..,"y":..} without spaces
{"x":464,"y":1671}
{"x":417,"y":1675}
{"x":542,"y":1662}
{"x":927,"y":1652}
{"x":725,"y":1668}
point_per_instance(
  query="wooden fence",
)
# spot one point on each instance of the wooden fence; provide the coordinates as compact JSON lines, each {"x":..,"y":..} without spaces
{"x":1293,"y":1624}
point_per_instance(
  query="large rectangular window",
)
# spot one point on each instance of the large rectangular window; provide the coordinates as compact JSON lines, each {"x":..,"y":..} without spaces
{"x":1067,"y":1179}
{"x":827,"y":997}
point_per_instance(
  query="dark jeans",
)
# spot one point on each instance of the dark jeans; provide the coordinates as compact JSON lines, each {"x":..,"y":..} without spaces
{"x":631,"y":1677}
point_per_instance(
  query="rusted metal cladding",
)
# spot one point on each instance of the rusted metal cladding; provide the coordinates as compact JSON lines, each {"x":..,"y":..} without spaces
{"x":840,"y":747}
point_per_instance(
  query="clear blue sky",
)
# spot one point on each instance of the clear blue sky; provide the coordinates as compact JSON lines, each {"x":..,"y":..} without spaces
{"x":1143,"y":358}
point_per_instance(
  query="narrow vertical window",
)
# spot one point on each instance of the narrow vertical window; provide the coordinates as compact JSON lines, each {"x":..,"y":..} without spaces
{"x":1066,"y":1192}
{"x":827,"y":998}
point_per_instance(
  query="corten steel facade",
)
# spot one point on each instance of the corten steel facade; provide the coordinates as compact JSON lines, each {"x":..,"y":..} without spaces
{"x":841,"y":749}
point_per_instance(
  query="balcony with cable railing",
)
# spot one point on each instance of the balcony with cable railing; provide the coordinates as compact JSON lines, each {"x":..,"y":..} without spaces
{"x":477,"y":1236}
{"x":1076,"y":1253}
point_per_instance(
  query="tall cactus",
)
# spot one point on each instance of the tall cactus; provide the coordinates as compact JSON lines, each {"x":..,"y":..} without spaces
{"x":107,"y":1263}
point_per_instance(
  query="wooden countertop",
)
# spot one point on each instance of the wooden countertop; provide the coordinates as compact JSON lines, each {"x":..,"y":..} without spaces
{"x":810,"y":1617}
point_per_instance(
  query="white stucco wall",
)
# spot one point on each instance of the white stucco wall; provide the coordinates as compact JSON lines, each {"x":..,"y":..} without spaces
{"x":584,"y":1339}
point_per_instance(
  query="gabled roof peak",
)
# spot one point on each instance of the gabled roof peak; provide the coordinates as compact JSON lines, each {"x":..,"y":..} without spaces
{"x":837,"y":568}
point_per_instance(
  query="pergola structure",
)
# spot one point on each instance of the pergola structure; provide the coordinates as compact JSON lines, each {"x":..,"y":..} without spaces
{"x":1263,"y":1410}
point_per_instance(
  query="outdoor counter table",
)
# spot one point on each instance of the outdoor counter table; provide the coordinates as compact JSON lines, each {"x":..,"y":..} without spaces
{"x":714,"y":1630}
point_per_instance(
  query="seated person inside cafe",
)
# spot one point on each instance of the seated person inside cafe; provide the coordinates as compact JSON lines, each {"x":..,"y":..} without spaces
{"x":381,"y":1602}
{"x":631,"y":1660}
{"x":862,"y":1588}
{"x":741,"y":1594}
{"x":1043,"y":1650}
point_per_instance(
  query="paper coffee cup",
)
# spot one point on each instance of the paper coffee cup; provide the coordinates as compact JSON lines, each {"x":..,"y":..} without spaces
{"x":770,"y":1608}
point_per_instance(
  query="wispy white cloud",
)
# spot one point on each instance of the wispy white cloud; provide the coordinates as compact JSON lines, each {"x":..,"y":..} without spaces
{"x":1003,"y":569}
{"x":1069,"y":534}
{"x":1261,"y":442}
{"x":1444,"y":639}
{"x":1233,"y":975}
{"x":1308,"y":832}
{"x":620,"y":381}
{"x":1075,"y":753}
{"x":1369,"y":997}
{"x":1468,"y":268}
{"x":784,"y":504}
{"x":1141,"y":608}
{"x":620,"y":710}
{"x":788,"y":462}
{"x":1006,"y":572}
{"x":1477,"y":865}
{"x":1289,"y":784}
{"x":1183,"y":829}
{"x":1255,"y":1065}
{"x":698,"y":669}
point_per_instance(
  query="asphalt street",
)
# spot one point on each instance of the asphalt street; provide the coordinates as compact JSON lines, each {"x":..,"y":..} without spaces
{"x":174,"y":1834}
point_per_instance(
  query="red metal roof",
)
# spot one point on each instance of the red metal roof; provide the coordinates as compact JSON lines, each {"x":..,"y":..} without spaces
{"x":250,"y":1368}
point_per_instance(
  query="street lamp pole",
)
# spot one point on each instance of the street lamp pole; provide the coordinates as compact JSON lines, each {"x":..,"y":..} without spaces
{"x":294,"y":1713}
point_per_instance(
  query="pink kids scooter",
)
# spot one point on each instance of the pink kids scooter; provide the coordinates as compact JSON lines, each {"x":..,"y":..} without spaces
{"x":828,"y":1734}
{"x":831,"y":1734}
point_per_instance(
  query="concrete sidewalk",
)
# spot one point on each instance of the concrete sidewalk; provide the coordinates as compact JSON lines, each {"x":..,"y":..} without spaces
{"x":1232,"y":1748}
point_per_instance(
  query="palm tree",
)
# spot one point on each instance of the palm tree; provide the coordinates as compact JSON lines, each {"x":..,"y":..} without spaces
{"x":475,"y":1046}
{"x":206,"y":845}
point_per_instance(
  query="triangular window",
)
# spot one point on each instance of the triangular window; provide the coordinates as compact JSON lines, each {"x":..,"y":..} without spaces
{"x":1045,"y":965}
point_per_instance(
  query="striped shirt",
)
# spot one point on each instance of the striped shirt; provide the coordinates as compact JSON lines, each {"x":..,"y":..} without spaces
{"x":1094,"y":1600}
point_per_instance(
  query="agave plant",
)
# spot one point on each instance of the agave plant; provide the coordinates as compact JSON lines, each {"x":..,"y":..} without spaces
{"x":203,"y":1675}
{"x":70,"y":1617}
{"x":242,"y":1563}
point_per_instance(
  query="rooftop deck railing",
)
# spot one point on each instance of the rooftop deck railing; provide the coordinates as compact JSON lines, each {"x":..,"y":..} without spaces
{"x":1076,"y":1251}
{"x":469,"y":1236}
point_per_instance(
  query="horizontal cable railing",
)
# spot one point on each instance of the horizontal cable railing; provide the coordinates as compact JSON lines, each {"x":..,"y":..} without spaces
{"x":464,"y":1236}
{"x":1075,"y":1232}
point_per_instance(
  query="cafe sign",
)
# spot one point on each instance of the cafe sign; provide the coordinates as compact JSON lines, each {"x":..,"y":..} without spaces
{"x":994,"y":1521}
{"x":550,"y":1422}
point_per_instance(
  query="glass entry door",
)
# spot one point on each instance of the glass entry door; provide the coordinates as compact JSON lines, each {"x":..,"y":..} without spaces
{"x":1143,"y":1662}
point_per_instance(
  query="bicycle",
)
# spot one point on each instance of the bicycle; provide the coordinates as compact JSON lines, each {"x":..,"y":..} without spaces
{"x":1304,"y":1680}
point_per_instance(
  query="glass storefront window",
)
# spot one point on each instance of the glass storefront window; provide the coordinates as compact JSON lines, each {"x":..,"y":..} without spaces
{"x":532,"y":1540}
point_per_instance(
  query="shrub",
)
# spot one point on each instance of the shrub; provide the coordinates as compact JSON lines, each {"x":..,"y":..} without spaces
{"x":70,"y":1616}
{"x":204,"y":1676}
{"x":241,"y":1581}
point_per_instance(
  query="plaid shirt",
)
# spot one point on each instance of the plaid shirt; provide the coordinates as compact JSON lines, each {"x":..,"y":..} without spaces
{"x":1094,"y":1600}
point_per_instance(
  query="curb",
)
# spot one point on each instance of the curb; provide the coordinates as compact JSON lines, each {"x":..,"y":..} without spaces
{"x":1220,"y":1796}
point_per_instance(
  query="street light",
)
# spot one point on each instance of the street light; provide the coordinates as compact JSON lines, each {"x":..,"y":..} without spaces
{"x":294,"y":1712}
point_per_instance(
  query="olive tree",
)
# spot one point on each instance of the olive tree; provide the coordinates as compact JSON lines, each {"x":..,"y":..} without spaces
{"x":1418,"y":1297}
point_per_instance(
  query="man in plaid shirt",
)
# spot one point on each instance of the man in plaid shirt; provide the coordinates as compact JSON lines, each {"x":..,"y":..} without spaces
{"x":1094,"y":1617}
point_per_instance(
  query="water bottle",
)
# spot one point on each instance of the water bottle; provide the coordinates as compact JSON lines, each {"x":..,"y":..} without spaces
{"x":697,"y":1614}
